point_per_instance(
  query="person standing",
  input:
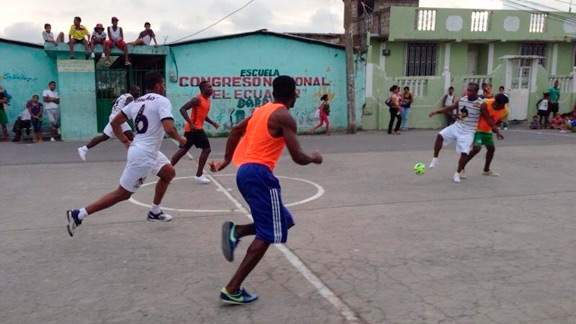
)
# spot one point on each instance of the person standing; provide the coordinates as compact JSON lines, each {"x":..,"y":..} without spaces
{"x":36,"y":110}
{"x":553,"y":99}
{"x":108,"y":132}
{"x":256,"y":145}
{"x":78,"y":34}
{"x":497,"y":111}
{"x":194,"y":129}
{"x":543,"y":106}
{"x":152,"y":116}
{"x":52,"y":107}
{"x":116,"y":38}
{"x":449,"y":100}
{"x":323,"y":114}
{"x":3,"y":115}
{"x":395,"y":110}
{"x":405,"y":103}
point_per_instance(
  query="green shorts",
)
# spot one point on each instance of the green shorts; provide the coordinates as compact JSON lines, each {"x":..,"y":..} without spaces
{"x":481,"y":138}
{"x":3,"y":117}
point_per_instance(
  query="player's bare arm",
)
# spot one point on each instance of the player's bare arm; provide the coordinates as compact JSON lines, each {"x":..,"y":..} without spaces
{"x":444,"y":109}
{"x":116,"y":124}
{"x":211,"y":122}
{"x":171,"y":131}
{"x":194,"y":102}
{"x":484,"y":113}
{"x":233,"y":139}
{"x":283,"y":124}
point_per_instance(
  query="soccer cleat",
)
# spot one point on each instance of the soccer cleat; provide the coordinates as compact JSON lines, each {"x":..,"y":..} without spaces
{"x":229,"y":240}
{"x":202,"y":179}
{"x":82,"y":152}
{"x":73,"y":221}
{"x":463,"y":174}
{"x":159,"y":217}
{"x":490,"y":173}
{"x":242,"y":298}
{"x":433,"y":164}
{"x":456,"y":177}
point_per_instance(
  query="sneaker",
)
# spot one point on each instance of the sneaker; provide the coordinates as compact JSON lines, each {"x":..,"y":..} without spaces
{"x":52,"y":139}
{"x":73,"y":221}
{"x":490,"y":173}
{"x":202,"y":179}
{"x":229,"y":240}
{"x":242,"y":298}
{"x":456,"y":177}
{"x":434,"y":163}
{"x":82,"y":152}
{"x":463,"y":174}
{"x":159,"y":217}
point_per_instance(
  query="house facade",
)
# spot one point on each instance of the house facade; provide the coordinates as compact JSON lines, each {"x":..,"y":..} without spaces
{"x":430,"y":50}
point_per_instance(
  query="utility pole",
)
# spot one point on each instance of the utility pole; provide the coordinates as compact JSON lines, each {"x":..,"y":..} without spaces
{"x":350,"y":89}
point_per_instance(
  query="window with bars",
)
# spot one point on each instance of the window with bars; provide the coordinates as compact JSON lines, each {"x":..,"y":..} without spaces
{"x":538,"y":49}
{"x":480,"y":21}
{"x":421,"y":59}
{"x":425,"y":20}
{"x":537,"y":22}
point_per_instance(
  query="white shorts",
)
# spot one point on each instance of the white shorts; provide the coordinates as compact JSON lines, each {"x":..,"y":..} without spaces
{"x":139,"y":165}
{"x":108,"y":131}
{"x":464,"y":139}
{"x":53,"y":116}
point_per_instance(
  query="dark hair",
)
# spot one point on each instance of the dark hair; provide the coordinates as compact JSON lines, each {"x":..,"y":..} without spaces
{"x":451,"y":88}
{"x":146,"y":23}
{"x":392,"y":88}
{"x":47,"y":25}
{"x":501,"y":98}
{"x":151,"y":79}
{"x":484,"y":84}
{"x":546,"y":94}
{"x":324,"y":97}
{"x":35,"y":95}
{"x":49,"y":83}
{"x":406,"y":88}
{"x":475,"y":85}
{"x":501,"y":87}
{"x":283,"y":87}
{"x":79,"y":19}
{"x":202,"y":84}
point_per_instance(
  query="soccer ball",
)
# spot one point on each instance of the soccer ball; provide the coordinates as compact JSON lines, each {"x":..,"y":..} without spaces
{"x":419,"y":168}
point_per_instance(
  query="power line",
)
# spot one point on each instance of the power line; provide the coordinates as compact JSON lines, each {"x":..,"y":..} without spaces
{"x":520,"y":6}
{"x":214,"y":24}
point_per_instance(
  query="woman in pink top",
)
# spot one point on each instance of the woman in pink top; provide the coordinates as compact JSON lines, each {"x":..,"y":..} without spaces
{"x":323,"y":112}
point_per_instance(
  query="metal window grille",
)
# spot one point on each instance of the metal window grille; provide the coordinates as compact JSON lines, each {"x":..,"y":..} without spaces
{"x":421,"y":59}
{"x":534,"y":49}
{"x":537,"y":22}
{"x":480,"y":21}
{"x":425,"y":20}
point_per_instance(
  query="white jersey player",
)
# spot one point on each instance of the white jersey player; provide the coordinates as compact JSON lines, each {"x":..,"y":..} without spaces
{"x":108,"y":133}
{"x":152,"y":116}
{"x":462,"y":131}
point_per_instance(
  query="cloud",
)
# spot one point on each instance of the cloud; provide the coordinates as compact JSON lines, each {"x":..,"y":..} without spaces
{"x":25,"y":32}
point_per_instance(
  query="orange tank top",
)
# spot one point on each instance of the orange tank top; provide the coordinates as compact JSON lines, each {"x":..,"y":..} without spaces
{"x":257,"y":145}
{"x":198,"y":115}
{"x":496,"y":116}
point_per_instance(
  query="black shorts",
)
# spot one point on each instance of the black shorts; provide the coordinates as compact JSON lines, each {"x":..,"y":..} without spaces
{"x":553,"y":107}
{"x":543,"y":113}
{"x":197,"y":138}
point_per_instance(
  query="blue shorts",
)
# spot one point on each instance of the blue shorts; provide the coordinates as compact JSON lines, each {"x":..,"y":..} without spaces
{"x":261,"y":190}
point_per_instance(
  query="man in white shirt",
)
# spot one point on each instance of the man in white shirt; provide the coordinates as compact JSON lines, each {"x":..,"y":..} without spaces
{"x":108,"y":132}
{"x":116,"y":38}
{"x":152,"y":116}
{"x":52,"y":109}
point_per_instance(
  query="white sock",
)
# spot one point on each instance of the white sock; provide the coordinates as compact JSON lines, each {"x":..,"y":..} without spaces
{"x":156,"y":209}
{"x":83,"y":214}
{"x":84,"y":148}
{"x":433,"y":163}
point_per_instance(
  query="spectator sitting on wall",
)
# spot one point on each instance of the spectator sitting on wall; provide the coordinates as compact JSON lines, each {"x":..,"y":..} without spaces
{"x":52,"y":100}
{"x":49,"y":37}
{"x":78,"y":34}
{"x":98,"y":38}
{"x":557,"y":122}
{"x":146,"y":36}
{"x":448,"y":100}
{"x":116,"y":38}
{"x":3,"y":116}
{"x":22,"y":123}
{"x":36,"y":109}
{"x":535,"y":124}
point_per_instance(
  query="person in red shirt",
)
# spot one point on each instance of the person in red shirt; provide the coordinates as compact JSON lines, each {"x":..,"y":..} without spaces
{"x":194,"y":129}
{"x":255,"y":145}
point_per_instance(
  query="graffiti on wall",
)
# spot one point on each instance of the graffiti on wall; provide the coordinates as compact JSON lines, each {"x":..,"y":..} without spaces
{"x":252,"y":88}
{"x":17,"y":77}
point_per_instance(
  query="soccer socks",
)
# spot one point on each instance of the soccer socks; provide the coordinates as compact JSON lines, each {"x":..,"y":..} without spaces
{"x":156,"y":209}
{"x":434,"y":163}
{"x":83,"y":214}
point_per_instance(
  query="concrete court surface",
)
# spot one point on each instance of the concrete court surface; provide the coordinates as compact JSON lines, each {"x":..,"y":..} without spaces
{"x":391,"y":246}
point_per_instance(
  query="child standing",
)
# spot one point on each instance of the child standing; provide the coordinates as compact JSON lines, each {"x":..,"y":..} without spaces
{"x":36,"y":109}
{"x":542,"y":106}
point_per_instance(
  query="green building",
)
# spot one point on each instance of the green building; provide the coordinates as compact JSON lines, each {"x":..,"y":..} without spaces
{"x":430,"y":50}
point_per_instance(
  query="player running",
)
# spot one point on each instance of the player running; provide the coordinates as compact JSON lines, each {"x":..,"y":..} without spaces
{"x":257,"y":144}
{"x":497,"y":112}
{"x":108,"y":133}
{"x":462,"y":131}
{"x":152,"y":115}
{"x":194,"y":129}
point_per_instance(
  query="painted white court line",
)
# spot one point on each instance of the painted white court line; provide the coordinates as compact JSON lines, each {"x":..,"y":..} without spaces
{"x":324,"y":291}
{"x":541,"y":133}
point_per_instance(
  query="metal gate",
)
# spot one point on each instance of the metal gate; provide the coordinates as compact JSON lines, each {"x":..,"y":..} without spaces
{"x":114,"y":80}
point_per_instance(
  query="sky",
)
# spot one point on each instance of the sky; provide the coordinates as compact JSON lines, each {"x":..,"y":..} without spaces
{"x":174,"y":19}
